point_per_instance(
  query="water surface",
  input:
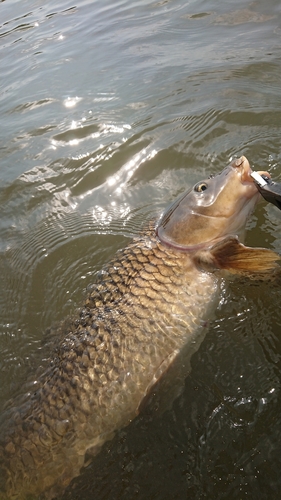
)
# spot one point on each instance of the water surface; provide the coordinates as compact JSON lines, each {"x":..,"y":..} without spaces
{"x":108,"y":111}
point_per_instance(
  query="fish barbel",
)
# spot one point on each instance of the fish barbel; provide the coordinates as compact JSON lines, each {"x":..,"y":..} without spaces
{"x":149,"y":304}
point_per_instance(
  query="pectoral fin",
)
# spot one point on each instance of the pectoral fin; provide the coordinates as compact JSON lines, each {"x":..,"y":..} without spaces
{"x":231,"y":255}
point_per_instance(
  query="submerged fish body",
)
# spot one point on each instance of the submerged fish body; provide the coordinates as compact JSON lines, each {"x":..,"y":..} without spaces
{"x":148,"y":306}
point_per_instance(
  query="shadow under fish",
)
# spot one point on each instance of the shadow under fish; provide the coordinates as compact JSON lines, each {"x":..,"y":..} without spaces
{"x":149,"y":307}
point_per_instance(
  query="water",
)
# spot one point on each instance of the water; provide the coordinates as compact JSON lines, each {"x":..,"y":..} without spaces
{"x":108,"y":110}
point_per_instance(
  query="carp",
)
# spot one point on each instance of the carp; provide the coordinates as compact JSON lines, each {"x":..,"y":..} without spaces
{"x":149,"y":304}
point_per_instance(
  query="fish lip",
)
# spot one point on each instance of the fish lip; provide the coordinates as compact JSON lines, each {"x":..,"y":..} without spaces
{"x":243,"y":165}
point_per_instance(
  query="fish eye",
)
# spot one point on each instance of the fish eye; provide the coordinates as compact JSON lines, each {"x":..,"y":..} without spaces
{"x":200,"y":187}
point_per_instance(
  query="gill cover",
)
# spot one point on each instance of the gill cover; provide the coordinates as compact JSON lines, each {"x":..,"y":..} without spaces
{"x":187,"y":222}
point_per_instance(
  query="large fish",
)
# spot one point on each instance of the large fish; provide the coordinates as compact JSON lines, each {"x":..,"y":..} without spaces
{"x":149,"y":306}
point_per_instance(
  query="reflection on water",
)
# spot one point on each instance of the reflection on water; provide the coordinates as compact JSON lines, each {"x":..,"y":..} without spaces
{"x":109,"y":111}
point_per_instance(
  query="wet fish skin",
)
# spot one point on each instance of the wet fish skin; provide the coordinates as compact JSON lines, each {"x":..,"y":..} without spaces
{"x":144,"y":308}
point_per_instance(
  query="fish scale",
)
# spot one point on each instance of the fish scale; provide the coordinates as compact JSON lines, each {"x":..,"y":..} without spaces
{"x":144,"y":317}
{"x":108,"y":359}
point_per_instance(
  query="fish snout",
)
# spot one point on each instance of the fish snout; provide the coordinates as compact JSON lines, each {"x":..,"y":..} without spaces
{"x":243,"y":165}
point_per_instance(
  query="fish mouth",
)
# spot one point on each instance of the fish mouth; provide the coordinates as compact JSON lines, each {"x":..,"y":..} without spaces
{"x":243,"y":195}
{"x":243,"y":166}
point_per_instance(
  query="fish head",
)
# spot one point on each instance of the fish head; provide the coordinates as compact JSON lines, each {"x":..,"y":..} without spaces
{"x":212,"y":209}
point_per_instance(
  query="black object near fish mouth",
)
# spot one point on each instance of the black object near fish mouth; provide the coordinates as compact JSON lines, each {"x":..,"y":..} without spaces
{"x":270,"y":190}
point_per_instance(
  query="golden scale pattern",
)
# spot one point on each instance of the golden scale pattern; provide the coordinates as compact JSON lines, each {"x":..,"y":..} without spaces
{"x":146,"y":305}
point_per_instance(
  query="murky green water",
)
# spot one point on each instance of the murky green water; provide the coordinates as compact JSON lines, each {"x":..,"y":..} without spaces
{"x":108,"y":110}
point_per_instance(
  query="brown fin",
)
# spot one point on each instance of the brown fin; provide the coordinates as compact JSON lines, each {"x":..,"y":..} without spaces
{"x":161,"y":370}
{"x":231,"y":255}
